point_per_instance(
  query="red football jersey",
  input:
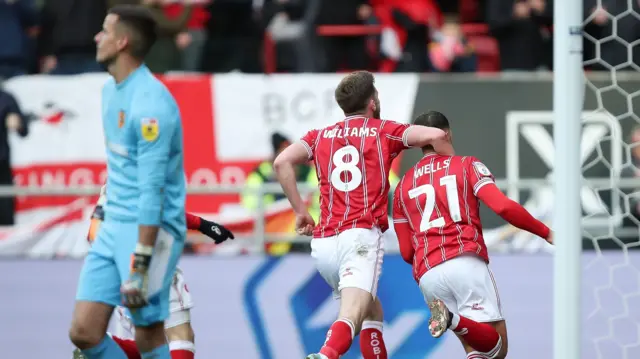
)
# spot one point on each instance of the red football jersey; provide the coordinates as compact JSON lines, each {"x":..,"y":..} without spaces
{"x":352,"y":159}
{"x":437,"y":198}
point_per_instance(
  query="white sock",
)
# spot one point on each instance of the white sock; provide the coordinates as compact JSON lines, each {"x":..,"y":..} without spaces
{"x":489,"y":355}
{"x":182,"y":345}
{"x":372,"y":324}
{"x":455,"y":320}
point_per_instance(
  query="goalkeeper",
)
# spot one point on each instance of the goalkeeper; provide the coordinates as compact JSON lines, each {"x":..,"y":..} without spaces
{"x":178,"y":325}
{"x":134,"y":256}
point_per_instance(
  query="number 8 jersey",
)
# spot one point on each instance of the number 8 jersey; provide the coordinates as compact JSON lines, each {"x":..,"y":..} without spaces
{"x":437,"y":198}
{"x":353,"y":158}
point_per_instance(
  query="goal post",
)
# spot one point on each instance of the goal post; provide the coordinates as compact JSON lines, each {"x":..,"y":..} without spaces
{"x":568,"y":96}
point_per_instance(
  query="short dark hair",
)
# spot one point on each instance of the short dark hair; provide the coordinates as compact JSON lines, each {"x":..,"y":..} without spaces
{"x":139,"y":20}
{"x":433,"y":119}
{"x":354,"y":91}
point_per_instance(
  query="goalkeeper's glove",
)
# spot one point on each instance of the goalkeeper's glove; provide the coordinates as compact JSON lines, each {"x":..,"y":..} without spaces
{"x":134,"y":290}
{"x":215,"y":231}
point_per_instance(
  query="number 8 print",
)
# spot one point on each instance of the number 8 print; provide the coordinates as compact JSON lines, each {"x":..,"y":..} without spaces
{"x":351,"y":167}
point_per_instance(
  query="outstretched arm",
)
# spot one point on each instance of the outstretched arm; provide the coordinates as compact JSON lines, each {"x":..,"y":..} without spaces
{"x":213,"y":230}
{"x":512,"y":211}
{"x":421,"y":136}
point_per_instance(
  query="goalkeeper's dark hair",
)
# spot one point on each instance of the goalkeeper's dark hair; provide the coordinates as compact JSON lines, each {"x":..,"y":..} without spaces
{"x":432,"y":119}
{"x":140,"y":24}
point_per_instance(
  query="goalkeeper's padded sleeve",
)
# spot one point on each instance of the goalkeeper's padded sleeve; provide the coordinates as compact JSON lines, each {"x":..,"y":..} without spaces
{"x":511,"y":211}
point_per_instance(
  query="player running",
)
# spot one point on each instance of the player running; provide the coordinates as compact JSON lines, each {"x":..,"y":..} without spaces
{"x":134,"y":257}
{"x":178,"y":325}
{"x":352,"y":159}
{"x":436,"y":217}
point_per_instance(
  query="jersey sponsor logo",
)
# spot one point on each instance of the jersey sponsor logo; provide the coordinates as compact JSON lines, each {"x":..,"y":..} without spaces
{"x":150,"y":129}
{"x":481,"y":168}
{"x":286,"y":298}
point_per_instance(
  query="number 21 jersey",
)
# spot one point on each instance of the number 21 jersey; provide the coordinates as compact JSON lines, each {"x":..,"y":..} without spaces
{"x":437,"y":197}
{"x":352,"y":159}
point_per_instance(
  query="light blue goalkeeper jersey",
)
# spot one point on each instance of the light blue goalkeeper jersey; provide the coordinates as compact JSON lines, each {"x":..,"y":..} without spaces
{"x":143,"y":136}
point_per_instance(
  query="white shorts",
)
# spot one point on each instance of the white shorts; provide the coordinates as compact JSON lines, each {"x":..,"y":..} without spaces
{"x":466,"y":286}
{"x":180,"y":303}
{"x":352,"y":259}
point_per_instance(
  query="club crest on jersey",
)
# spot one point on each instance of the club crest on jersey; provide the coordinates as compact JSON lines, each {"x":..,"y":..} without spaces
{"x":150,"y":129}
{"x":481,"y":168}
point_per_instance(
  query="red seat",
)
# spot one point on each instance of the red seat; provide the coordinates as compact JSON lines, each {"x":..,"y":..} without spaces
{"x":486,"y":48}
{"x":475,"y":29}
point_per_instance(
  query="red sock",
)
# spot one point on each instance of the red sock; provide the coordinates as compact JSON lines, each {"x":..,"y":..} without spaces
{"x":339,"y":338}
{"x":480,"y":336}
{"x":371,"y":342}
{"x":182,"y":354}
{"x":128,"y":346}
{"x":182,"y":349}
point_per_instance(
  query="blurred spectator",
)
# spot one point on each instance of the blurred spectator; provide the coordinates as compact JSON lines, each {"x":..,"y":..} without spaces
{"x":13,"y":120}
{"x":406,"y":33}
{"x":234,"y":36}
{"x":191,"y":54}
{"x":600,"y":26}
{"x":264,"y":174}
{"x":449,"y":51}
{"x":290,"y":25}
{"x":344,"y":52}
{"x":173,"y":37}
{"x":67,"y":42}
{"x":16,"y":18}
{"x":522,"y":28}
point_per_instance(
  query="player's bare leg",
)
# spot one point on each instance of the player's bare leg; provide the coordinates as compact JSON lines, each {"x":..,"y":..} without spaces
{"x":150,"y":337}
{"x":89,"y":325}
{"x":371,"y":340}
{"x":480,"y":340}
{"x":181,"y":341}
{"x":179,"y":334}
{"x":354,"y":307}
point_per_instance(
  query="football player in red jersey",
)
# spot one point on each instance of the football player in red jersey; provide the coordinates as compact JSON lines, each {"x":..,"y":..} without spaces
{"x":178,"y":325}
{"x":352,"y":159}
{"x":437,"y":221}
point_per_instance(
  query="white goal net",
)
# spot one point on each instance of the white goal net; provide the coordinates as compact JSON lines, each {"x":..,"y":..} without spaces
{"x":611,"y":271}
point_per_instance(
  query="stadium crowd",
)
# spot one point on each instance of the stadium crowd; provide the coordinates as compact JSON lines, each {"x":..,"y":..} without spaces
{"x":255,"y":36}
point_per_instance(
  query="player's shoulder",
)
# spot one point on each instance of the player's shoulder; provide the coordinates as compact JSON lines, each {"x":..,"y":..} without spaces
{"x":154,"y":99}
{"x":466,"y":160}
{"x":312,"y":134}
{"x":476,"y":164}
{"x":151,"y":85}
{"x":387,"y":124}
